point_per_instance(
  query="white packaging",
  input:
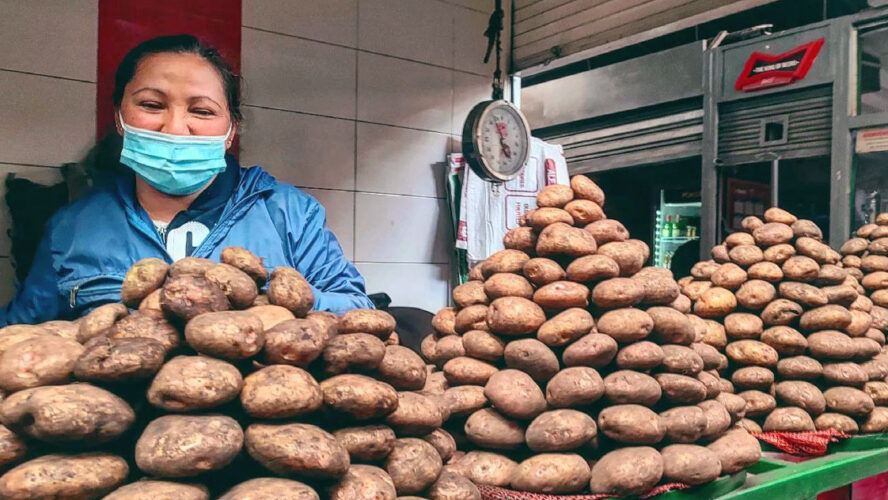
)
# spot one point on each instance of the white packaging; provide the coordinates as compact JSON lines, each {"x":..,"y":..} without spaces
{"x":488,"y":209}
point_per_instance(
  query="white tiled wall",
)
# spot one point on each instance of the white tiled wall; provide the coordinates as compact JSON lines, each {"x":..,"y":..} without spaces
{"x":358,"y":102}
{"x":47,"y":96}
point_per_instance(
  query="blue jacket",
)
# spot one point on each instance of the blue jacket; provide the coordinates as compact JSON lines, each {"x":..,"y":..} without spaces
{"x":89,"y":245}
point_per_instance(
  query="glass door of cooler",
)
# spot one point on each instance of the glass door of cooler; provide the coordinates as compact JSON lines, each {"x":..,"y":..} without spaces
{"x":677,"y":222}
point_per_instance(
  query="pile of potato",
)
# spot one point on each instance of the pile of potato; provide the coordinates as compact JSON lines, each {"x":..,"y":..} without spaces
{"x":803,"y":340}
{"x":571,"y":366}
{"x":215,"y":388}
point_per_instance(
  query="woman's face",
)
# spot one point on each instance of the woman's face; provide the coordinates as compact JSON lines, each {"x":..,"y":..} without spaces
{"x":179,"y":94}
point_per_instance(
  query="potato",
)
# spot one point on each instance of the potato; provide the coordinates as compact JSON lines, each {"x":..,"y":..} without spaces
{"x":788,"y":420}
{"x":709,"y":355}
{"x":739,"y":238}
{"x":185,"y":296}
{"x":237,"y":285}
{"x":743,"y":326}
{"x":472,"y":317}
{"x":779,"y":254}
{"x":42,"y":360}
{"x":870,"y":263}
{"x":854,"y":246}
{"x":719,"y":254}
{"x":631,"y":424}
{"x":803,"y":293}
{"x":775,"y":214}
{"x":831,"y":344}
{"x":186,"y":446}
{"x":521,"y":238}
{"x":354,"y":351}
{"x":12,"y":448}
{"x":684,"y":424}
{"x":729,"y":276}
{"x":781,"y":312}
{"x":758,"y":403}
{"x":819,"y":251}
{"x":785,"y":340}
{"x":753,"y":377}
{"x":368,"y":443}
{"x":607,"y":230}
{"x":866,"y":348}
{"x":704,"y":270}
{"x":879,"y":298}
{"x":801,"y":394}
{"x":628,"y":256}
{"x":271,"y":315}
{"x":544,"y":217}
{"x":876,"y":368}
{"x":297,"y":449}
{"x":188,"y":383}
{"x":765,"y":271}
{"x":851,"y":261}
{"x":560,"y":430}
{"x":542,"y":271}
{"x":514,"y":316}
{"x":642,"y":356}
{"x":506,"y":285}
{"x":99,"y":320}
{"x":844,"y":295}
{"x":748,"y":425}
{"x":715,"y":334}
{"x":468,"y":371}
{"x":630,"y":387}
{"x":830,"y":274}
{"x":566,"y":327}
{"x":756,"y":294}
{"x":725,"y":385}
{"x":746,"y":255}
{"x":119,"y":360}
{"x":670,"y":326}
{"x":735,"y":405}
{"x":682,"y":304}
{"x":415,"y":415}
{"x":280,"y":391}
{"x":364,"y":481}
{"x":483,"y":345}
{"x":877,"y":280}
{"x":560,"y":238}
{"x":751,"y":352}
{"x":246,"y":261}
{"x":444,"y":321}
{"x":552,"y":473}
{"x":836,"y":421}
{"x":848,"y":401}
{"x":690,"y":464}
{"x":715,"y":302}
{"x":359,"y":396}
{"x":800,"y":268}
{"x":562,"y":295}
{"x":878,"y":391}
{"x":681,"y":359}
{"x":617,"y":292}
{"x":829,"y":317}
{"x":880,"y":318}
{"x":751,"y":223}
{"x":659,"y":287}
{"x":736,"y":450}
{"x":799,"y":367}
{"x":469,"y":293}
{"x":850,"y":374}
{"x":595,"y":350}
{"x":152,"y":301}
{"x":483,"y":467}
{"x":681,"y":389}
{"x":554,"y":195}
{"x":464,"y":400}
{"x":447,"y":348}
{"x":13,"y":334}
{"x":489,"y":429}
{"x":629,"y":471}
{"x":142,"y":278}
{"x":226,"y":334}
{"x":806,"y":228}
{"x":514,"y":394}
{"x":147,"y":488}
{"x":574,"y":387}
{"x":876,"y":422}
{"x":450,"y":486}
{"x":584,"y":212}
{"x":772,"y":233}
{"x":378,"y":323}
{"x":532,"y":357}
{"x":876,"y":335}
{"x":84,"y":476}
{"x":626,"y":325}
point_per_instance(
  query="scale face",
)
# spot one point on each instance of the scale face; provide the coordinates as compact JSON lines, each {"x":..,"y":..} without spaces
{"x":496,"y":140}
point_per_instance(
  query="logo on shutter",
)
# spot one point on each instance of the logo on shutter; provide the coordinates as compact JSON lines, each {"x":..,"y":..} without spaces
{"x":766,"y":70}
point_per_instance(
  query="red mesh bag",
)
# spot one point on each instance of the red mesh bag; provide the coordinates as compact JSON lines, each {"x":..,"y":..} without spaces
{"x":494,"y":493}
{"x":803,"y":444}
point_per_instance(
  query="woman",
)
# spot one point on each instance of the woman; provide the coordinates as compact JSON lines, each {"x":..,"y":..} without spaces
{"x":175,"y":193}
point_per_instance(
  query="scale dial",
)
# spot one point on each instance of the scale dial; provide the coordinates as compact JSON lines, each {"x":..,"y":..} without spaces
{"x":496,"y":140}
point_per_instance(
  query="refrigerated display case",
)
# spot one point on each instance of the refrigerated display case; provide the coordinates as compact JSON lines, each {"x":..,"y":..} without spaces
{"x":677,"y":221}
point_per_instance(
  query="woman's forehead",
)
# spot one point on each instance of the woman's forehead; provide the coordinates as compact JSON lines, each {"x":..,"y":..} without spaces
{"x":177,"y":73}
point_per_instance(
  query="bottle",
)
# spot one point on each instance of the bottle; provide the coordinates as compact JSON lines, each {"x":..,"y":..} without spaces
{"x":667,"y":228}
{"x":676,"y":227}
{"x":682,"y":225}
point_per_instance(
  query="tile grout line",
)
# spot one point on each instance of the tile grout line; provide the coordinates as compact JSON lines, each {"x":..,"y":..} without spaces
{"x":43,"y":75}
{"x":375,"y":193}
{"x":354,"y":195}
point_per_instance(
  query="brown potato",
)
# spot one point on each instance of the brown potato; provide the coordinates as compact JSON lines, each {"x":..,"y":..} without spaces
{"x":607,"y":230}
{"x":690,"y":464}
{"x":876,"y":368}
{"x":472,"y":318}
{"x":554,"y":195}
{"x":658,"y":288}
{"x":681,"y":389}
{"x":12,"y":448}
{"x":617,"y":292}
{"x":415,"y":415}
{"x":800,"y":367}
{"x":743,"y":326}
{"x":247,"y":262}
{"x":552,"y":473}
{"x":483,"y":467}
{"x":504,"y":261}
{"x":359,"y":396}
{"x":751,"y":223}
{"x":560,"y":238}
{"x":574,"y":386}
{"x":237,"y":285}
{"x":186,"y":446}
{"x":566,"y":327}
{"x":560,"y":430}
{"x":280,"y":391}
{"x":521,"y":238}
{"x":188,"y":383}
{"x":715,"y":334}
{"x":226,"y":334}
{"x":147,"y":488}
{"x":532,"y":357}
{"x":851,"y":261}
{"x":803,"y":293}
{"x":670,"y":326}
{"x":788,"y":420}
{"x":451,"y":486}
{"x":363,"y":481}
{"x":831,"y":344}
{"x":489,"y":429}
{"x":819,"y":251}
{"x":402,"y":368}
{"x":756,"y":294}
{"x":779,"y":254}
{"x":71,"y":413}
{"x":684,"y":424}
{"x":739,"y":238}
{"x":295,"y":342}
{"x":800,"y":268}
{"x":468,"y":371}
{"x":806,"y":228}
{"x":187,"y":295}
{"x":879,"y":297}
{"x":880,"y":318}
{"x":99,"y":320}
{"x":506,"y":285}
{"x":629,"y":256}
{"x":785,"y":340}
{"x":854,"y":246}
{"x":751,"y":352}
{"x":848,"y":401}
{"x":282,"y":449}
{"x":483,"y":345}
{"x":870,"y":263}
{"x":358,"y":351}
{"x":586,"y":189}
{"x":729,"y":276}
{"x":119,"y":360}
{"x":464,"y":400}
{"x":542,"y":271}
{"x":850,"y":374}
{"x":629,"y":471}
{"x":443,"y":443}
{"x":836,"y":421}
{"x":735,"y":405}
{"x":368,"y":443}
{"x":84,"y":476}
{"x":444,"y":321}
{"x":631,"y":387}
{"x":710,"y":355}
{"x":681,"y":359}
{"x":13,"y":334}
{"x":372,"y":321}
{"x":447,"y":348}
{"x":877,"y":280}
{"x":715,"y":302}
{"x":682,"y":304}
{"x":718,"y":420}
{"x":746,"y":255}
{"x":781,"y":312}
{"x":469,"y":293}
{"x":765,"y":271}
{"x":801,"y":394}
{"x":704,"y":270}
{"x":146,"y":324}
{"x":288,"y":288}
{"x":860,"y":323}
{"x":753,"y":377}
{"x":142,"y":278}
{"x":719,"y":254}
{"x":642,"y":355}
{"x":878,"y":391}
{"x":775,"y":214}
{"x":562,"y":295}
{"x":772,"y":233}
{"x":584,"y":212}
{"x":271,"y":315}
{"x":42,"y":360}
{"x":515,"y":315}
{"x":845,"y":295}
{"x":876,"y":335}
{"x":515,"y":394}
{"x":544,"y":217}
{"x":875,"y":422}
{"x":758,"y":403}
{"x":626,"y":325}
{"x":830,"y":274}
{"x":595,"y":350}
{"x":829,"y":317}
{"x":631,"y":424}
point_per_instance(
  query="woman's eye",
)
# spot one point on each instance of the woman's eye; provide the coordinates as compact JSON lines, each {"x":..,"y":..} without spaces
{"x":202,"y":112}
{"x":150,"y":104}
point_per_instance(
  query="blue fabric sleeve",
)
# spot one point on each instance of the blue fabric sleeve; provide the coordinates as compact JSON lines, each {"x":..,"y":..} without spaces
{"x":37,"y":299}
{"x":337,"y":285}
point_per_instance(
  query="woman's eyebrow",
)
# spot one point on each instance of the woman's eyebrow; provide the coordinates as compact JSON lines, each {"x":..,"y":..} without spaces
{"x":154,"y":89}
{"x":199,"y":97}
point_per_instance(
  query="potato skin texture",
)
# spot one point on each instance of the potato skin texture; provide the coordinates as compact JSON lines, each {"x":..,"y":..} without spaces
{"x":631,"y":424}
{"x":736,"y":450}
{"x":631,"y":387}
{"x":270,"y":488}
{"x":188,"y":295}
{"x":752,"y":352}
{"x":226,"y":334}
{"x":99,"y":320}
{"x":364,"y":481}
{"x":484,"y":467}
{"x":627,"y":471}
{"x":789,"y":420}
{"x":515,"y":394}
{"x":42,"y":360}
{"x":141,"y":279}
{"x":490,"y":429}
{"x":189,"y":383}
{"x":83,"y":476}
{"x":560,"y":430}
{"x":146,"y":324}
{"x":607,"y":230}
{"x":280,"y":391}
{"x":514,"y":316}
{"x":246,"y":261}
{"x":541,"y":271}
{"x":413,"y":465}
{"x":359,"y":396}
{"x":289,"y":289}
{"x":690,"y":464}
{"x":372,"y":321}
{"x":684,"y":424}
{"x":836,"y":421}
{"x":297,"y":449}
{"x":237,"y":285}
{"x":367,"y":443}
{"x":185,"y":445}
{"x":152,"y":488}
{"x":552,"y":473}
{"x":295,"y":342}
{"x":626,"y":325}
{"x":402,"y":368}
{"x":119,"y":360}
{"x":565,"y":327}
{"x":574,"y":386}
{"x":848,"y":401}
{"x":561,"y":239}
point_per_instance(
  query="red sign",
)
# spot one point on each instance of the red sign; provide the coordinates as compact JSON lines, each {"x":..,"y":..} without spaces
{"x":766,"y":70}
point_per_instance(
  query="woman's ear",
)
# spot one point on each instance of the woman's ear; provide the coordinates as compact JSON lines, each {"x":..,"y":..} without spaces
{"x":231,"y":135}
{"x":117,"y":124}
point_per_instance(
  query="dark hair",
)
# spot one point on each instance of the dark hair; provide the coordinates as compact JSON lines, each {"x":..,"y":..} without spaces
{"x":180,"y":44}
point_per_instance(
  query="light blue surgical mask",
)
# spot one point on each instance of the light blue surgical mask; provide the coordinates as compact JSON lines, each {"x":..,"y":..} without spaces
{"x":177,"y":165}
